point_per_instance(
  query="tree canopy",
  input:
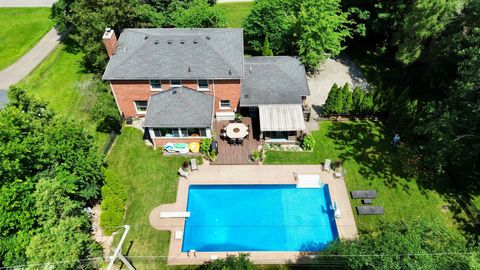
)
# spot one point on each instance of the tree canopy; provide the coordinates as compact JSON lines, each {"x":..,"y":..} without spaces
{"x":50,"y":171}
{"x":312,"y":30}
{"x":405,"y":245}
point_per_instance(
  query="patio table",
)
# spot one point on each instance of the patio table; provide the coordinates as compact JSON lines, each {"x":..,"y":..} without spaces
{"x":236,"y":130}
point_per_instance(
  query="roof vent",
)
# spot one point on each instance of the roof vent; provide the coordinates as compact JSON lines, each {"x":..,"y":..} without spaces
{"x":195,"y":41}
{"x":246,"y":96}
{"x":207,"y":37}
{"x":182,"y":41}
{"x":146,"y":37}
{"x":250,"y":69}
{"x":174,"y":92}
{"x":229,"y":72}
{"x":157,"y":41}
{"x":189,"y":69}
{"x":169,"y":41}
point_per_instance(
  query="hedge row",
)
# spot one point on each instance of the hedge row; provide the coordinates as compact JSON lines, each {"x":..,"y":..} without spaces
{"x":341,"y":100}
{"x":114,"y":196}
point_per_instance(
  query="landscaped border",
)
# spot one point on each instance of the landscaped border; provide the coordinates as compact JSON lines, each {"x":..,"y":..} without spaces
{"x":249,"y":174}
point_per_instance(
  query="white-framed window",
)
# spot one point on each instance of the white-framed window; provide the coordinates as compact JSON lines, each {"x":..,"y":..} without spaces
{"x":225,"y":104}
{"x":175,"y":83}
{"x":141,"y":106}
{"x":202,"y":85}
{"x":156,"y":85}
{"x":179,"y":132}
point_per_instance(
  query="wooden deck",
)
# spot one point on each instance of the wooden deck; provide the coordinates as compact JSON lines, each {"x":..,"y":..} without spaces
{"x":229,"y":154}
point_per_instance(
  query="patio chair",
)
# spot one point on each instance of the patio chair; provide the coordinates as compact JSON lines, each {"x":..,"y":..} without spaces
{"x":232,"y":141}
{"x":193,"y":164}
{"x":326,"y":166}
{"x":240,"y":141}
{"x":370,"y":210}
{"x":363,"y":194}
{"x":183,"y":173}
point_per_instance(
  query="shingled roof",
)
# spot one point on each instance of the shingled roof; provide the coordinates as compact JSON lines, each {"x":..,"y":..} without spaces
{"x":180,"y":107}
{"x":273,"y":80}
{"x":177,"y":53}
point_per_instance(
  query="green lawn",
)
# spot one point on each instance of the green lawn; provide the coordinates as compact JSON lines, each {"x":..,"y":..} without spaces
{"x":55,"y":81}
{"x":236,"y":12}
{"x":151,"y":180}
{"x":21,"y":29}
{"x":372,"y":163}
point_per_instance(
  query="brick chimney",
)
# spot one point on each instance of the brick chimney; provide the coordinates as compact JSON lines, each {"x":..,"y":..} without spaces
{"x":110,"y":41}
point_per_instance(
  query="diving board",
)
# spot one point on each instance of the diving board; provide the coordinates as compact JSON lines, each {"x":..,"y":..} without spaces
{"x":309,"y":181}
{"x":174,"y":214}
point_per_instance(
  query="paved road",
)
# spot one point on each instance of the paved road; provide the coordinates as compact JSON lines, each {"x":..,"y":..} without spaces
{"x":26,"y":3}
{"x":18,"y":70}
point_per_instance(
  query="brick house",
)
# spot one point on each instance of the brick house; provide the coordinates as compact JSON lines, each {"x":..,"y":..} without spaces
{"x":182,"y":80}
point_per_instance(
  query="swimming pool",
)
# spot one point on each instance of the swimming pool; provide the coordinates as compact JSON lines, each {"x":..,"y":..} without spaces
{"x":258,"y":218}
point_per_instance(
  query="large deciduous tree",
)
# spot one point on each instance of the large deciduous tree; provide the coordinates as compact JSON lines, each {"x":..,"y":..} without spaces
{"x":49,"y":171}
{"x":405,"y":245}
{"x":313,"y":30}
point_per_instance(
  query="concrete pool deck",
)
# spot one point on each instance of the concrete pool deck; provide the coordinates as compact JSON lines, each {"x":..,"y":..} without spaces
{"x":249,"y":174}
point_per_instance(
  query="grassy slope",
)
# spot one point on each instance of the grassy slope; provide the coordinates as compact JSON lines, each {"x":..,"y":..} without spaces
{"x":236,"y":12}
{"x":152,"y":180}
{"x":371,"y":163}
{"x":55,"y":82}
{"x":21,"y":29}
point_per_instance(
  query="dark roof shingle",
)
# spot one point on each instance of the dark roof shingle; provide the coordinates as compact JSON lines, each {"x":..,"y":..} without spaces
{"x":179,"y":107}
{"x":177,"y":53}
{"x":273,"y":80}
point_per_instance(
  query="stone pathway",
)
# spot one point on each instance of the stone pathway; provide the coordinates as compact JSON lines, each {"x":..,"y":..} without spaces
{"x":20,"y":69}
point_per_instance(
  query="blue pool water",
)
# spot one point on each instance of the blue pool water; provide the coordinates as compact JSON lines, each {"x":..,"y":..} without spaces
{"x":258,"y":218}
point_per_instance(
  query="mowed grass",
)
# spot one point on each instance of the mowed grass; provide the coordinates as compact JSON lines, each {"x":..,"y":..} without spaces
{"x":151,"y":180}
{"x":21,"y":29}
{"x":236,"y":12}
{"x":372,"y":163}
{"x":55,"y":81}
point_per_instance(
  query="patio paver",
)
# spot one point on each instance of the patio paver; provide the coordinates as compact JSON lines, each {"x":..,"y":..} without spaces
{"x":250,"y":174}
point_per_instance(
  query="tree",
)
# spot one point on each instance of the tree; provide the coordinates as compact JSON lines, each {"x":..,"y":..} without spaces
{"x":321,"y":27}
{"x":88,"y":20}
{"x":357,"y":99}
{"x":397,"y":245}
{"x":272,"y":18}
{"x":199,"y":14}
{"x":346,"y":99}
{"x":313,"y":30}
{"x":266,"y":48}
{"x":68,"y":242}
{"x":330,"y":103}
{"x":50,"y":169}
{"x":425,"y":20}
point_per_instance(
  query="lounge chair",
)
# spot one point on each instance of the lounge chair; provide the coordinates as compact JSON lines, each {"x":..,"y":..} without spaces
{"x":326,"y":166}
{"x":193,"y":164}
{"x":370,"y":210}
{"x":364,"y":194}
{"x":183,"y":173}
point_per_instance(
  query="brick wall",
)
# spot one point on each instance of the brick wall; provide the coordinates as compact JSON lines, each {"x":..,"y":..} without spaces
{"x":126,"y":92}
{"x":227,"y":90}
